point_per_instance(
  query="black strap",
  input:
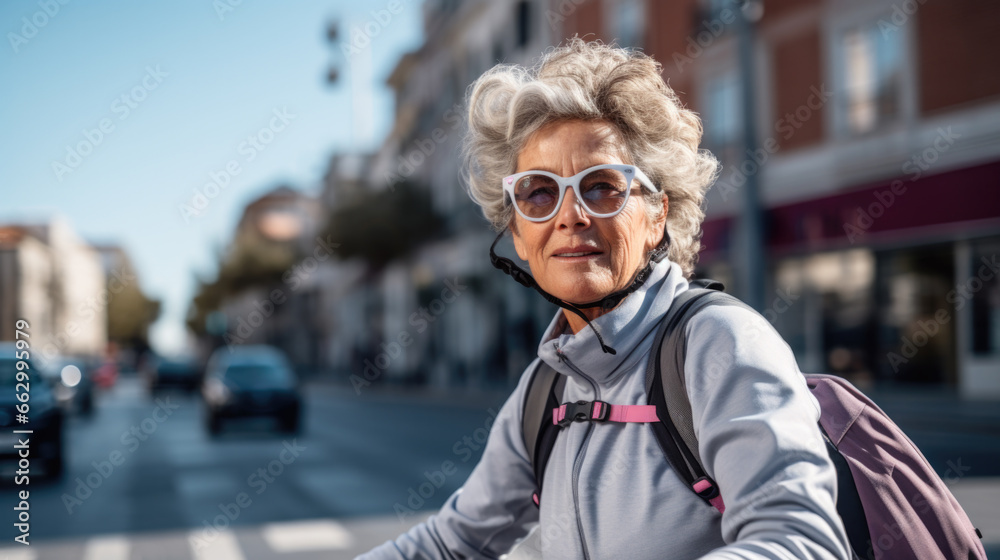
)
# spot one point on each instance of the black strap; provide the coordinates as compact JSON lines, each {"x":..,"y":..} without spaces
{"x":606,"y":303}
{"x":536,"y":421}
{"x":675,"y":431}
{"x":667,"y":363}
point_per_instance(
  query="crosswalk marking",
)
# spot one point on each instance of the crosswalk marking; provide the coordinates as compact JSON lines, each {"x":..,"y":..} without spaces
{"x":17,"y":553}
{"x":223,"y":546}
{"x":111,"y":547}
{"x":323,"y":534}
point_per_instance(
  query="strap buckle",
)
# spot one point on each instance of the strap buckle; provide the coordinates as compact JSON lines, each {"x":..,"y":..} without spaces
{"x":582,"y":411}
{"x":706,"y":488}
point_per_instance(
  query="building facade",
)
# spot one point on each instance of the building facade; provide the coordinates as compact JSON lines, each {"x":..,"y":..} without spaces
{"x":54,"y":280}
{"x":878,"y":162}
{"x":442,"y":315}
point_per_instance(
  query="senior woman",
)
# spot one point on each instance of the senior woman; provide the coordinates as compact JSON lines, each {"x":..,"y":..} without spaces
{"x":593,"y":165}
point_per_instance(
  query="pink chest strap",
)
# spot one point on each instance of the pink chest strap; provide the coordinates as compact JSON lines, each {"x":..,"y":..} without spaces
{"x":600,"y":411}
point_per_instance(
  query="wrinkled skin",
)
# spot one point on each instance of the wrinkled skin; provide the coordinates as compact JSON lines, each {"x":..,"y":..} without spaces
{"x":617,"y":246}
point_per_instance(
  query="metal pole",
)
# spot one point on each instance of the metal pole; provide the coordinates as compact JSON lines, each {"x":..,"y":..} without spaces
{"x":751,"y":237}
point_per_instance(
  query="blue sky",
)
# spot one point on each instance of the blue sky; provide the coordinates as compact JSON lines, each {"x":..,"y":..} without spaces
{"x":197,"y":81}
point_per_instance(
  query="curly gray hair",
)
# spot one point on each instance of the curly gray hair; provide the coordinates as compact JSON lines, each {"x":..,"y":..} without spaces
{"x":592,"y":81}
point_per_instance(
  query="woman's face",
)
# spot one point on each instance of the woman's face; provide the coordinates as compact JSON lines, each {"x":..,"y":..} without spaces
{"x":614,"y":247}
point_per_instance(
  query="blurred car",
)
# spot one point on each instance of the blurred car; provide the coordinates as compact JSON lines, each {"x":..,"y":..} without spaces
{"x":45,"y":416}
{"x":106,"y":374}
{"x":168,"y":373}
{"x":251,"y":381}
{"x":71,"y":382}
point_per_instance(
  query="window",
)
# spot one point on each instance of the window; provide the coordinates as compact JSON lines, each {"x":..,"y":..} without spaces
{"x":983,"y":286}
{"x":870,"y":77}
{"x":724,"y":117}
{"x":523,"y":23}
{"x":626,"y":21}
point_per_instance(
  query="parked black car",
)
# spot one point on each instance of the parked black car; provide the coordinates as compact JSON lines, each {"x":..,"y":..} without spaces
{"x":44,"y":414}
{"x":175,"y":373}
{"x":251,"y":381}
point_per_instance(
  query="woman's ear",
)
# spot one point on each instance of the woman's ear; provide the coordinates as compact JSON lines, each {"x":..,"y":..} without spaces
{"x":658,"y":227}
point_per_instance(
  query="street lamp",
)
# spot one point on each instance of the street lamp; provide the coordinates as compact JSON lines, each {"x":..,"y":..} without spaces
{"x":751,"y":231}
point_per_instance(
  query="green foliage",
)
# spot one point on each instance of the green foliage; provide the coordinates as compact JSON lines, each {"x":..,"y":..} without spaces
{"x":254,"y":265}
{"x":377,"y":227}
{"x":380,"y":227}
{"x":130,"y":313}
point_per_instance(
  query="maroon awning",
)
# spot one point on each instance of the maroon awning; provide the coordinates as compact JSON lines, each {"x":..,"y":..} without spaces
{"x":953,"y":200}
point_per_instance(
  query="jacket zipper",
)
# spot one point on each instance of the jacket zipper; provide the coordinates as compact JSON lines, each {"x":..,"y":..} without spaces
{"x":578,"y":461}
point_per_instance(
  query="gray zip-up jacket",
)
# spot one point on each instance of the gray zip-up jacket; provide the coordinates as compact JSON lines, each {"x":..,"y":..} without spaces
{"x":608,"y":491}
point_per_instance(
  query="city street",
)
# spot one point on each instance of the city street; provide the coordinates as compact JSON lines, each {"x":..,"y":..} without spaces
{"x":336,"y":489}
{"x":339,"y":481}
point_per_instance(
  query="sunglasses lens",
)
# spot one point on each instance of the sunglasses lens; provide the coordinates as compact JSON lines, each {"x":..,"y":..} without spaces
{"x":536,"y":195}
{"x":604,"y":191}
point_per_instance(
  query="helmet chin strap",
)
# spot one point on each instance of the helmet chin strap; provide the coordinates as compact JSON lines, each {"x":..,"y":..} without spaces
{"x":607,"y":303}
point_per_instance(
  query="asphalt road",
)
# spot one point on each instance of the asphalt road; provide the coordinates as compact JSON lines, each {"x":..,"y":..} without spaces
{"x":145,"y":481}
{"x":338,"y":482}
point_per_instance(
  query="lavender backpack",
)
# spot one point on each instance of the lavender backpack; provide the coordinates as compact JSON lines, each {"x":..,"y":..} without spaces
{"x":892,"y":502}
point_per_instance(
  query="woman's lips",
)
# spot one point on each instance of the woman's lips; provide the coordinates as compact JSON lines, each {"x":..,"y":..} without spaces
{"x":572,"y":256}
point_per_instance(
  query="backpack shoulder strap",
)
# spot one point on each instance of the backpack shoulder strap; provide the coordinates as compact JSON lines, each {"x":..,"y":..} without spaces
{"x":665,"y":388}
{"x":541,"y":396}
{"x":669,"y":354}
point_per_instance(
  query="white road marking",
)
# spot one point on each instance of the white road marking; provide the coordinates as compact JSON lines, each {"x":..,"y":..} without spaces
{"x":215,"y":546}
{"x":110,"y":547}
{"x":322,"y":534}
{"x":17,"y":553}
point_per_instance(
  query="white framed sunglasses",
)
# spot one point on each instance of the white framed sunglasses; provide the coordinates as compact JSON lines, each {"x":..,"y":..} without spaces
{"x":603,"y":190}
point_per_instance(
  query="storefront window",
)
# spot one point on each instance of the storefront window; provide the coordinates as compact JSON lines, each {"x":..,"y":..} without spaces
{"x":823,"y":306}
{"x":916,"y":315}
{"x":983,"y":289}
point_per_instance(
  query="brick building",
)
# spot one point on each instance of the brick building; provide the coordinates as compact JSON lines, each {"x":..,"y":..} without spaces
{"x":878,"y":162}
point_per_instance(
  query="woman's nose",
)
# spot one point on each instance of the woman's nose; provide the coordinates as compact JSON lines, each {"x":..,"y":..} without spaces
{"x":571,"y":214}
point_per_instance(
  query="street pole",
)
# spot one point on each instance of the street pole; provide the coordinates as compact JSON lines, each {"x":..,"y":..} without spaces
{"x":751,"y":236}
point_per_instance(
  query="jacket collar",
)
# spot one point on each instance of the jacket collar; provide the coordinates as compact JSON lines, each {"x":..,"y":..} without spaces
{"x":623,"y":328}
